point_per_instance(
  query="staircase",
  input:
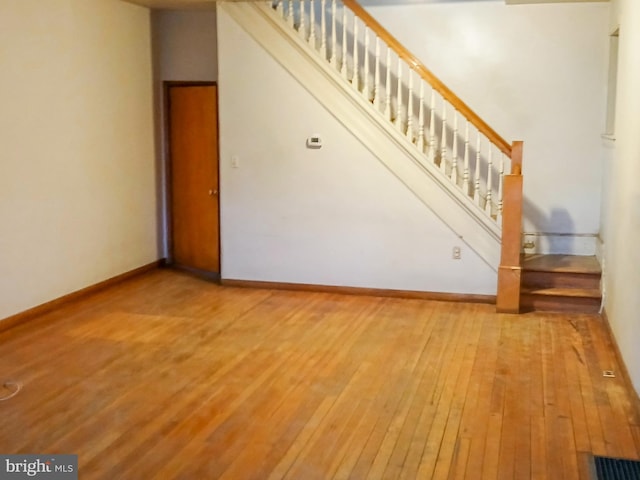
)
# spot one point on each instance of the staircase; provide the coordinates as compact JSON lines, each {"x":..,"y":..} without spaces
{"x":426,"y":136}
{"x":560,"y":283}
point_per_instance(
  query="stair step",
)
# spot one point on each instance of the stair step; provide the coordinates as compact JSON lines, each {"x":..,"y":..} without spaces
{"x":564,"y":292}
{"x":531,"y":279}
{"x":549,"y":303}
{"x":560,"y":283}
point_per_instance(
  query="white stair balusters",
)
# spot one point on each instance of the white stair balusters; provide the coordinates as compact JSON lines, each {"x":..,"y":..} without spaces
{"x":387,"y":87}
{"x":323,"y":29}
{"x":376,"y":77}
{"x":476,"y":183}
{"x":443,"y":145}
{"x":350,"y":52}
{"x":432,"y":127}
{"x":489,"y":196}
{"x":312,"y":23}
{"x":365,"y":75}
{"x":454,"y":150}
{"x":465,"y":172}
{"x":500,"y":186}
{"x":398,"y":120}
{"x":355,"y":81}
{"x":343,"y":66}
{"x":334,"y":38}
{"x":420,"y":142}
{"x":302,"y":29}
{"x":409,"y":131}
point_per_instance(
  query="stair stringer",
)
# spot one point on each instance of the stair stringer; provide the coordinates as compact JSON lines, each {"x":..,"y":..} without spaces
{"x":401,"y":157}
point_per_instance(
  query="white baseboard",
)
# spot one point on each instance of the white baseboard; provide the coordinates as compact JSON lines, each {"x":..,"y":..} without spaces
{"x":560,"y":243}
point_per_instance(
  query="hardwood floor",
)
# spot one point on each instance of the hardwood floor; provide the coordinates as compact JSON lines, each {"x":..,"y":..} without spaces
{"x":167,"y":376}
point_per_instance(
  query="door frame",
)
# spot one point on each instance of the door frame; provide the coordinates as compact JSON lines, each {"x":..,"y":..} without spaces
{"x":167,"y":178}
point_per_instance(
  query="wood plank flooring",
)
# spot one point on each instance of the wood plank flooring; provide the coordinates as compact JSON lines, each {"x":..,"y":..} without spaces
{"x":168,"y":376}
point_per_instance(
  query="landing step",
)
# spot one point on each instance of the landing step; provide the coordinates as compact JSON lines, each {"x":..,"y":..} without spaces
{"x":561,"y":263}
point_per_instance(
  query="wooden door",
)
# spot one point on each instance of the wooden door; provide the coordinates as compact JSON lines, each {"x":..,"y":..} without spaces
{"x":193,"y":140}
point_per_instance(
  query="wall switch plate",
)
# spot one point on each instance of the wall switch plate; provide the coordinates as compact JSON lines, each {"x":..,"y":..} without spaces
{"x":314,"y":141}
{"x":235,"y":162}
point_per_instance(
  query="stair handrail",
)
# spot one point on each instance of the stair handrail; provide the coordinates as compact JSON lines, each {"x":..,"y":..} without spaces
{"x":428,"y":76}
{"x":507,"y":211}
{"x":509,"y":270}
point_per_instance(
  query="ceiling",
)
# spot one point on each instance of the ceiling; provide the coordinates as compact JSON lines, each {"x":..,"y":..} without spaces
{"x":205,"y":4}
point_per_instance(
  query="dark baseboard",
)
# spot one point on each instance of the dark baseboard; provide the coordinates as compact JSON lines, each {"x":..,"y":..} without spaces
{"x":19,"y":318}
{"x":374,"y":292}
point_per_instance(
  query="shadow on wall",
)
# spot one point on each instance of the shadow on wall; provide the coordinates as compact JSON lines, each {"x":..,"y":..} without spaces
{"x":557,"y":228}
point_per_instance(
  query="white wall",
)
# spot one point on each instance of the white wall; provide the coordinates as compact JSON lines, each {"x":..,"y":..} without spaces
{"x":621,"y":216}
{"x":332,"y":216}
{"x":536,"y":73}
{"x":77,"y":190}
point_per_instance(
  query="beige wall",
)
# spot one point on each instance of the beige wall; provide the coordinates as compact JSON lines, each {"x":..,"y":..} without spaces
{"x":77,"y":173}
{"x":621,"y":203}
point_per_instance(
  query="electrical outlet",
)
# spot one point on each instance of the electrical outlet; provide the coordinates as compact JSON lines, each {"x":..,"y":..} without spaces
{"x":529,"y":242}
{"x":457,"y":254}
{"x":235,"y":162}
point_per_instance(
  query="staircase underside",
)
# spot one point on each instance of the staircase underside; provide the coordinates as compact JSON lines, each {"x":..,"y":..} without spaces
{"x":560,"y":283}
{"x":402,"y":158}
